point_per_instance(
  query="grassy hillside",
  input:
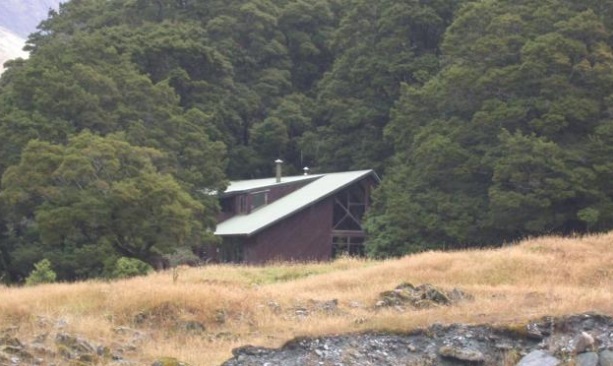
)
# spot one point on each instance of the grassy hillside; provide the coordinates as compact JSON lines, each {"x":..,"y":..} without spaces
{"x":269,"y":305}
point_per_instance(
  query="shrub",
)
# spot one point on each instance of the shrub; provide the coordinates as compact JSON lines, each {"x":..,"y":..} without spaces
{"x":130,"y":267}
{"x":42,"y":273}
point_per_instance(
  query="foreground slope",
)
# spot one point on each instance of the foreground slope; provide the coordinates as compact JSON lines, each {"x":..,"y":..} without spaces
{"x":200,"y":314}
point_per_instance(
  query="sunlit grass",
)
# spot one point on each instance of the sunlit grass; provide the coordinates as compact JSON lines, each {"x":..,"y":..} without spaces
{"x":240,"y":305}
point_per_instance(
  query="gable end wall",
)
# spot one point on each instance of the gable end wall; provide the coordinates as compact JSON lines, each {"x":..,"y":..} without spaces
{"x":304,"y":236}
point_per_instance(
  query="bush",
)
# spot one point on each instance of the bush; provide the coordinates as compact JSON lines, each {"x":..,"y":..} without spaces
{"x":42,"y":273}
{"x":130,"y":267}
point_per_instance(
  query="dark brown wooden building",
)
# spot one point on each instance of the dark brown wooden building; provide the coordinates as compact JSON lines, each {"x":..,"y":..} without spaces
{"x":303,"y":218}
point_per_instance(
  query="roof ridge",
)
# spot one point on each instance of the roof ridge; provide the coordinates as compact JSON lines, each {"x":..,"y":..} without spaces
{"x":310,"y":194}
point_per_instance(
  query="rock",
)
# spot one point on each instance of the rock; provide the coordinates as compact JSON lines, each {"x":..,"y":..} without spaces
{"x":582,"y":342}
{"x":457,"y":295}
{"x":16,"y":351}
{"x":250,"y":351}
{"x":606,"y":358}
{"x":449,"y":345}
{"x":462,"y":354}
{"x":274,"y":307}
{"x":330,"y":306}
{"x":220,"y":316}
{"x":587,"y":359}
{"x":539,"y":358}
{"x":301,"y":312}
{"x":124,"y":330}
{"x":78,"y":351}
{"x":74,"y":344}
{"x":420,"y":297}
{"x":541,"y":329}
{"x":12,"y":351}
{"x":191,"y":326}
{"x":5,"y":332}
{"x":10,"y":341}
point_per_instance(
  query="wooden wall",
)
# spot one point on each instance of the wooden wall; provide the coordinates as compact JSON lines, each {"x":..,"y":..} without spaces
{"x":305,"y":236}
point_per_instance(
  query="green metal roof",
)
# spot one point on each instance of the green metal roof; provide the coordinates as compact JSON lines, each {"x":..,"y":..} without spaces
{"x":323,"y":186}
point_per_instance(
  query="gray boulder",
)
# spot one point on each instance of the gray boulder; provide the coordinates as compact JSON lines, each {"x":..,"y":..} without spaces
{"x":539,"y":358}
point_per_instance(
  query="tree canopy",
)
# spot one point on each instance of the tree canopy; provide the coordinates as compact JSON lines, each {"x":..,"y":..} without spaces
{"x":488,"y":121}
{"x":506,"y":140}
{"x":98,"y":197}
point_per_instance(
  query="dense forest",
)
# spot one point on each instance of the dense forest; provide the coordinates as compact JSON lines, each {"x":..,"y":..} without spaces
{"x":487,"y":120}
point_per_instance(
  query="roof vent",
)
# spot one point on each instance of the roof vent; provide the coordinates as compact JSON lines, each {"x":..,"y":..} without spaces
{"x":306,"y":170}
{"x":279,"y":163}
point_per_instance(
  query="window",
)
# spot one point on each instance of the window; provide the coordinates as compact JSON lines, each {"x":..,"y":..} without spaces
{"x":231,"y":250}
{"x":347,"y":245}
{"x":242,"y":204}
{"x":227,"y":205}
{"x":258,"y":199}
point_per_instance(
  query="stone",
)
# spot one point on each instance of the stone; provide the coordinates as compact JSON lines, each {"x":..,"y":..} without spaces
{"x":191,"y":326}
{"x":420,"y":297}
{"x":74,"y":344}
{"x":220,"y":316}
{"x":606,"y":358}
{"x":330,"y":306}
{"x":462,"y":354}
{"x":456,"y":295}
{"x":79,"y":351}
{"x":10,"y":341}
{"x":16,"y":351}
{"x":587,"y":359}
{"x":539,"y":358}
{"x":582,"y":342}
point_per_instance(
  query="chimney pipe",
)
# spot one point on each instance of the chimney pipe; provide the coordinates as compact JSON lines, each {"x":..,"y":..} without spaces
{"x":279,"y":162}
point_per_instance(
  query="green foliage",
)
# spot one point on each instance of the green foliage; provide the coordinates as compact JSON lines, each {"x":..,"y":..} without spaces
{"x":379,"y":45}
{"x":130,"y":267}
{"x":508,"y":139}
{"x":42,"y":273}
{"x":101,"y":195}
{"x":490,"y":120}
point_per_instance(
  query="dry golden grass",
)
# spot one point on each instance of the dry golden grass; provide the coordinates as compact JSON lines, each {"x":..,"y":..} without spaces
{"x":241,"y":305}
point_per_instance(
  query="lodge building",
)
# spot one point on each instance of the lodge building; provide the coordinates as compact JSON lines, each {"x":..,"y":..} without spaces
{"x":296,"y":218}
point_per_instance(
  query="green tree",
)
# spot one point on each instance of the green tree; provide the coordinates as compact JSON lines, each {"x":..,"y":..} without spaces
{"x":101,"y":194}
{"x":130,"y":267}
{"x":42,"y":273}
{"x":378,"y":46}
{"x":508,"y":139}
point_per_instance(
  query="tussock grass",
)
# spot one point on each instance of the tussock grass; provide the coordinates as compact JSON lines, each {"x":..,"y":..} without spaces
{"x":241,"y":305}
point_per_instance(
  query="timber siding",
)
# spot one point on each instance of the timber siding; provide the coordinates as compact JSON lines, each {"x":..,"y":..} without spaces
{"x":311,"y":218}
{"x":304,"y":236}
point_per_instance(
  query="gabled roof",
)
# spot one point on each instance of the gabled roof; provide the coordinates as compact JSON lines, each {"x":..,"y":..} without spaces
{"x":240,"y":186}
{"x":323,"y":186}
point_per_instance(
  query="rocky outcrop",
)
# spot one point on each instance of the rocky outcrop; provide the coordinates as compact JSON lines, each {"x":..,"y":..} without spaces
{"x":64,"y":348}
{"x":420,"y":297}
{"x":581,"y":340}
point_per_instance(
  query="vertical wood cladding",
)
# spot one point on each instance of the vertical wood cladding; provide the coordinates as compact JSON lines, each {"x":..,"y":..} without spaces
{"x":304,"y":236}
{"x":240,"y":203}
